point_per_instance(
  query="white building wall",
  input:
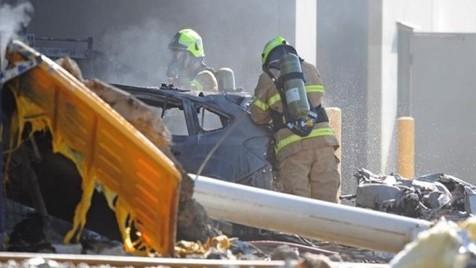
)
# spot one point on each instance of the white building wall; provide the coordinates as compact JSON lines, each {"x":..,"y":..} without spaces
{"x":423,"y":16}
{"x":455,"y":15}
{"x":306,"y":29}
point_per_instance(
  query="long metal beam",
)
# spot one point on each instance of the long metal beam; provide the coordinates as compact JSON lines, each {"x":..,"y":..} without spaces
{"x":304,"y":216}
{"x":123,"y":261}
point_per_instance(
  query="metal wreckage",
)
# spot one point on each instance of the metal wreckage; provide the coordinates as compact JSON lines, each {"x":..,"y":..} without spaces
{"x":428,"y":197}
{"x":98,"y":165}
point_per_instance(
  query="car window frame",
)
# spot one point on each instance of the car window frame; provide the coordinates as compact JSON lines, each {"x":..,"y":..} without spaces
{"x":164,"y":101}
{"x":197,"y":106}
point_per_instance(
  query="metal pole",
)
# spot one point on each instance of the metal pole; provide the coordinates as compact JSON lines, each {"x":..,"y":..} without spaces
{"x":127,"y":261}
{"x":307,"y":217}
{"x":2,"y":188}
{"x":2,"y":142}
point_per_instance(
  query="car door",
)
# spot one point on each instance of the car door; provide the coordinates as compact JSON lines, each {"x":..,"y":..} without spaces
{"x":209,"y":126}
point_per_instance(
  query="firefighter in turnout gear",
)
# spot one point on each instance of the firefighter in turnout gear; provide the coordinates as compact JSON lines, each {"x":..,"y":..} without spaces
{"x":187,"y":68}
{"x":288,"y":96}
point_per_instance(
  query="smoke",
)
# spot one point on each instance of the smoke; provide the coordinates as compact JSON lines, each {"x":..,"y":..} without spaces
{"x":133,"y":39}
{"x":137,"y":55}
{"x":12,"y":20}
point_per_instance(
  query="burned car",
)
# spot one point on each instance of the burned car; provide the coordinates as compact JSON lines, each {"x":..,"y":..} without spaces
{"x":199,"y":123}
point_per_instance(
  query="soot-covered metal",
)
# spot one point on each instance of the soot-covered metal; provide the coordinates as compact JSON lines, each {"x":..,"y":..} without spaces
{"x":198,"y":123}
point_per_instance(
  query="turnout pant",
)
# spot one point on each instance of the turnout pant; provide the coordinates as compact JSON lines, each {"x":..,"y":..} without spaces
{"x":311,"y":173}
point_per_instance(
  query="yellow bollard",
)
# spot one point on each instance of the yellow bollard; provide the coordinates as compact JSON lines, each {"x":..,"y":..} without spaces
{"x":335,"y":122}
{"x":406,"y":147}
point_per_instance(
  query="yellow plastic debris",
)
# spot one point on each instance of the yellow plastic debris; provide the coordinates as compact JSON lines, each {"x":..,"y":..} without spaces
{"x":221,"y":242}
{"x":139,"y":181}
{"x":186,"y":248}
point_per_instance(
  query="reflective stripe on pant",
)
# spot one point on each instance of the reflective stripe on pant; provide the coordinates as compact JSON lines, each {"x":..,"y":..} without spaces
{"x":312,"y":173}
{"x":318,"y":132}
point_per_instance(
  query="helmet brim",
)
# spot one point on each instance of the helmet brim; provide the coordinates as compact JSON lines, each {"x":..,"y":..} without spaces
{"x":277,"y":52}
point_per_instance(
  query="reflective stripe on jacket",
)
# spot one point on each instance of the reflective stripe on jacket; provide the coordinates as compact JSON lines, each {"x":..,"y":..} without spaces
{"x":267,"y":99}
{"x":264,"y":106}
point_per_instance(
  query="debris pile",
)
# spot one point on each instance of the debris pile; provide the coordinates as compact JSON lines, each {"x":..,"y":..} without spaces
{"x":426,"y":197}
{"x":103,"y":147}
{"x":29,"y":231}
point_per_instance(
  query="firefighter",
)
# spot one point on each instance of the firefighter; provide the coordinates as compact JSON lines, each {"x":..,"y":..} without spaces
{"x":187,"y":69}
{"x":304,"y":144}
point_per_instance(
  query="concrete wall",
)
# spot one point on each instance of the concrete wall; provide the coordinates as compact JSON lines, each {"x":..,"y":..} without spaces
{"x":342,"y":61}
{"x":422,"y":15}
{"x":306,"y":29}
{"x":442,"y":83}
{"x":374,"y":85}
{"x":136,"y":33}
